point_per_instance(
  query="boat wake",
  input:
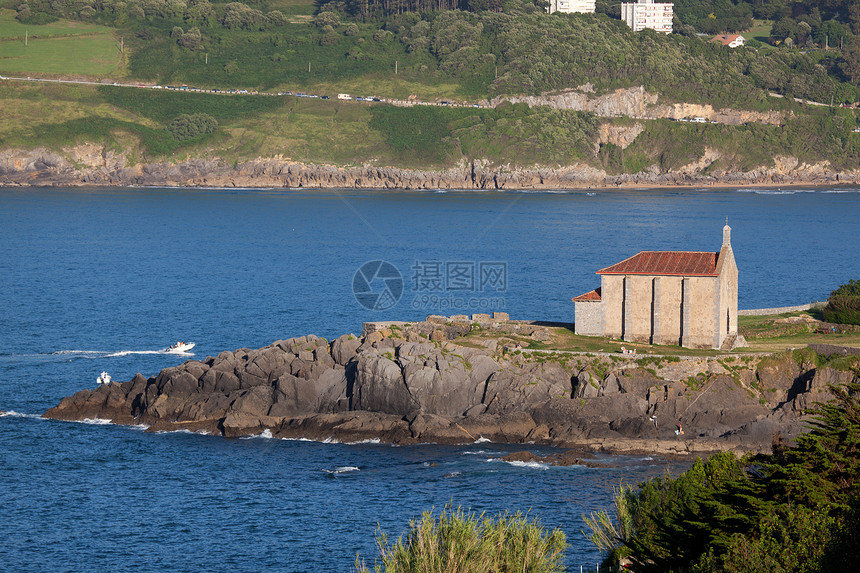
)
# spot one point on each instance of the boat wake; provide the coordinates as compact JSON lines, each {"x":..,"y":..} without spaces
{"x":75,"y":355}
{"x":93,"y":354}
{"x":341,"y":470}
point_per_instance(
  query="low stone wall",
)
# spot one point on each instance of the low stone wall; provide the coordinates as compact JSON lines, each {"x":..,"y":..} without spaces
{"x":781,"y":309}
{"x":831,"y":349}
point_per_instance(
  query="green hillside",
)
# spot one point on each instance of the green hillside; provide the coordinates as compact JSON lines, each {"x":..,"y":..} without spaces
{"x":474,"y":52}
{"x":467,"y":52}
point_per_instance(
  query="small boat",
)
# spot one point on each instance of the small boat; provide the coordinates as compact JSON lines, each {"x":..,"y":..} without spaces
{"x":104,"y":378}
{"x":179,"y":348}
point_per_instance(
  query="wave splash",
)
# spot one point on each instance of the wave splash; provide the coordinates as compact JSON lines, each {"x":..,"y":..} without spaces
{"x":14,"y":414}
{"x":530,"y":465}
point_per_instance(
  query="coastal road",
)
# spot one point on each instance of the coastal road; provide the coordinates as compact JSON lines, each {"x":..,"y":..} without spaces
{"x":481,"y":104}
{"x":246,"y":92}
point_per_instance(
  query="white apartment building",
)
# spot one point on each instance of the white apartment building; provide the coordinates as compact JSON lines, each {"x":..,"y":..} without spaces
{"x":570,"y":6}
{"x":648,"y":14}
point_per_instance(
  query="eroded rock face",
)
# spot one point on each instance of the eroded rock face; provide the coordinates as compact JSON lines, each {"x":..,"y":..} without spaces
{"x":401,"y":387}
{"x":42,"y":168}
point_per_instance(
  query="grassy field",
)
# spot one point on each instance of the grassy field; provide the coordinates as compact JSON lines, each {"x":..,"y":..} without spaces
{"x":11,"y":28}
{"x":293,"y":7}
{"x":299,"y":129}
{"x":67,"y":48}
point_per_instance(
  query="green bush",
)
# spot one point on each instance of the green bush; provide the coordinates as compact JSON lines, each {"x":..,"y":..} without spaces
{"x":190,"y":126}
{"x":843,"y":306}
{"x":461,"y":542}
{"x":35,"y":18}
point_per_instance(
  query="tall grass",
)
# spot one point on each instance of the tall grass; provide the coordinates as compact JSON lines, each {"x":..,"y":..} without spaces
{"x":463,"y":542}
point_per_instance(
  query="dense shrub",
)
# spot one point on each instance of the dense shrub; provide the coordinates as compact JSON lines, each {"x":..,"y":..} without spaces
{"x":843,"y":306}
{"x":26,"y":16}
{"x":240,"y":16}
{"x":189,"y":126}
{"x":327,"y":19}
{"x":460,"y":542}
{"x":192,"y":39}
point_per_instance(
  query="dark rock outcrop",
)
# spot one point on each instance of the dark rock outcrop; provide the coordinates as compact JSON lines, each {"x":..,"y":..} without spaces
{"x":399,"y":387}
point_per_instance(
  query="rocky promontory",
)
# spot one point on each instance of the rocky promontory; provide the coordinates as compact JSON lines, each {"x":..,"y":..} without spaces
{"x":434,"y":381}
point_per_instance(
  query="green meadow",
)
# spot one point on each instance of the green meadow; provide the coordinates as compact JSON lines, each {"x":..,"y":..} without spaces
{"x":63,"y":47}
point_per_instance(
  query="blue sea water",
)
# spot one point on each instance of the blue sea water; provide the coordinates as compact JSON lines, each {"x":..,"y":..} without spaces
{"x":102,"y":279}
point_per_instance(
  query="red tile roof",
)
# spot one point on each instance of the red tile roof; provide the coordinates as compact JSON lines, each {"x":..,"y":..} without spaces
{"x":726,"y":39}
{"x":590,"y":296}
{"x":666,"y":263}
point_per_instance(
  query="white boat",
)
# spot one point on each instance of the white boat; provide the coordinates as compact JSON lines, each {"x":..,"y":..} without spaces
{"x":104,"y":378}
{"x":179,"y":348}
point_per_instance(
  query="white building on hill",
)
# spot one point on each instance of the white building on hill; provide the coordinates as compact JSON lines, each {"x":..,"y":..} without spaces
{"x":648,"y":14}
{"x":570,"y":6}
{"x":730,"y":40}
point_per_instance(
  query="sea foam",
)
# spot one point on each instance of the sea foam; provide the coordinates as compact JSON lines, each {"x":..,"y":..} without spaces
{"x":14,"y":414}
{"x":531,"y":465}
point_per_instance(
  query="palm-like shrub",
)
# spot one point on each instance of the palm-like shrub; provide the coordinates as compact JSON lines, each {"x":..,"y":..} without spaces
{"x":463,"y":542}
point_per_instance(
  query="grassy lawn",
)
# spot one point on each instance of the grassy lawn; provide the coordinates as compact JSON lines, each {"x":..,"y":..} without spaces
{"x":59,"y":48}
{"x":293,"y":7}
{"x":760,"y":31}
{"x":762,"y":332}
{"x":765,"y":334}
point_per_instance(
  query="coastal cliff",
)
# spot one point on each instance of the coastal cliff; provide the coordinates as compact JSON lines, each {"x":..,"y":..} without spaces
{"x":431,"y":382}
{"x":95,"y":165}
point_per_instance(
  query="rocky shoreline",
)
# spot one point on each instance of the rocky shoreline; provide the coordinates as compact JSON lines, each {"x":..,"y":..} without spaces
{"x":92,"y":165}
{"x":435,"y":382}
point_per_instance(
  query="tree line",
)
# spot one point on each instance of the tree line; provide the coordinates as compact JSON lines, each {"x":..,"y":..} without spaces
{"x":509,"y":47}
